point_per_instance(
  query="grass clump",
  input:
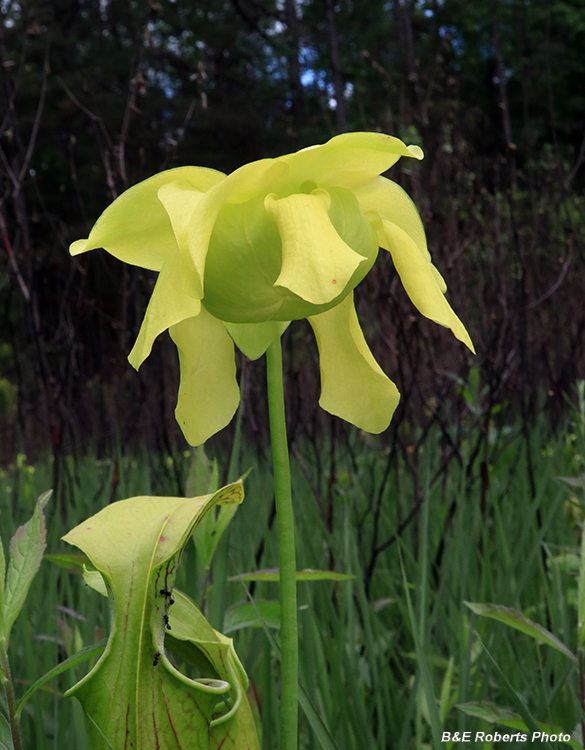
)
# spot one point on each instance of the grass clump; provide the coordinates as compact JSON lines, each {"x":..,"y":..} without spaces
{"x":382,"y":669}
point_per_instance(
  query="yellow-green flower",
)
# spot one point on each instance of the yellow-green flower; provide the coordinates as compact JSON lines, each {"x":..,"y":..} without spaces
{"x":240,"y":256}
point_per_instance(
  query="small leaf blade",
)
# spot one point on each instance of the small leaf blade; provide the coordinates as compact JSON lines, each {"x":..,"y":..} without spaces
{"x":73,"y":562}
{"x":246,"y":615}
{"x":518,"y":621}
{"x":308,"y":574}
{"x":89,"y":652}
{"x":446,"y":690}
{"x":26,"y":550}
{"x":5,"y":734}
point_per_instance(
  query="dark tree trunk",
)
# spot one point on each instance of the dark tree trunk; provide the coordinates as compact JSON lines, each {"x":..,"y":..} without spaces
{"x":333,"y":41}
{"x":294,"y":66}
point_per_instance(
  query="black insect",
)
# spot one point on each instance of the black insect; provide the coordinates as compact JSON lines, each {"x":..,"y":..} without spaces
{"x":156,"y":658}
{"x":166,"y":622}
{"x":171,"y":601}
{"x":164,"y":592}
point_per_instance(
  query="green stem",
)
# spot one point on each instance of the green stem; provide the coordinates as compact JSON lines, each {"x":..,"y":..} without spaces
{"x":289,"y":644}
{"x":10,"y":697}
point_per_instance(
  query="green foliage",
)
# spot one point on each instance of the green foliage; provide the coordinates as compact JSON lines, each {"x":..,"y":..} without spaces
{"x":203,"y":477}
{"x":136,"y":544}
{"x":517,"y":620}
{"x":26,"y":553}
{"x":302,"y":575}
{"x":357,"y":655}
{"x":490,"y":713}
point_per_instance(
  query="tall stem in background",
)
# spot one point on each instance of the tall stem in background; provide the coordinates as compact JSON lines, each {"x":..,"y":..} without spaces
{"x":286,"y":552}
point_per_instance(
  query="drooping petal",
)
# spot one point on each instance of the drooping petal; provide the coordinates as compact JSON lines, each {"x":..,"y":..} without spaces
{"x":168,"y":306}
{"x":254,"y":338}
{"x":421,"y":285}
{"x":391,"y":202}
{"x":348,"y":159}
{"x":135,"y":228}
{"x":208,"y":391}
{"x":316,"y":262}
{"x":353,"y":386}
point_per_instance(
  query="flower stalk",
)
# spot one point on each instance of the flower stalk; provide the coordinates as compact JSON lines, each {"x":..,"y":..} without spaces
{"x":286,"y":551}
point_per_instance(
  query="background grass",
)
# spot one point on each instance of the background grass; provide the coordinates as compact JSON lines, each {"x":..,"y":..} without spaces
{"x":494,"y":525}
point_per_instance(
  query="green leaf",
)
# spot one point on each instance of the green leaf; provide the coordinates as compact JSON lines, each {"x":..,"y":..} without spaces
{"x":255,"y":615}
{"x":134,"y":695}
{"x":517,"y":620}
{"x":492,"y":713}
{"x":203,"y":477}
{"x":207,"y":535}
{"x":86,"y":653}
{"x":95,"y":580}
{"x":308,"y":574}
{"x":192,"y":638}
{"x":73,"y":562}
{"x":203,"y":474}
{"x":444,"y":705}
{"x":5,"y":734}
{"x":26,"y":554}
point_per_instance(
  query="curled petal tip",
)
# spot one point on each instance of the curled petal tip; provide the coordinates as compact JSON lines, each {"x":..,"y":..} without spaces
{"x":77,"y":247}
{"x":416,"y":152}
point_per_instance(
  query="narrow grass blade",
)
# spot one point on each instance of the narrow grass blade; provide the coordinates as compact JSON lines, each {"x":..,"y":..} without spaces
{"x":517,"y":620}
{"x":5,"y":734}
{"x":446,"y":690}
{"x":318,"y":726}
{"x":86,"y":653}
{"x":308,"y":574}
{"x":525,"y":714}
{"x":435,"y":719}
{"x":581,"y":601}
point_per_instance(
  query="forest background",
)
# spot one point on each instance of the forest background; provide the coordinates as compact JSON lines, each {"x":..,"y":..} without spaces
{"x":99,"y":95}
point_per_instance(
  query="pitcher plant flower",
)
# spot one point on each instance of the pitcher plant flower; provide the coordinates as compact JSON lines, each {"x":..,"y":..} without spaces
{"x":240,"y":256}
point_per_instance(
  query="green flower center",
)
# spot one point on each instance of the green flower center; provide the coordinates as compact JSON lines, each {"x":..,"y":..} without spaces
{"x":245,"y":259}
